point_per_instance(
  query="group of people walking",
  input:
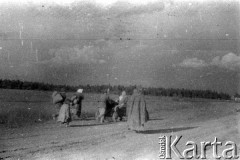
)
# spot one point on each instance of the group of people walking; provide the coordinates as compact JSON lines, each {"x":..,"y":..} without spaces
{"x":133,"y":108}
{"x":63,"y":105}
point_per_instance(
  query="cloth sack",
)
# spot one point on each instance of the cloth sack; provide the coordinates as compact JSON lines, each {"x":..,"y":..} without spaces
{"x":57,"y":97}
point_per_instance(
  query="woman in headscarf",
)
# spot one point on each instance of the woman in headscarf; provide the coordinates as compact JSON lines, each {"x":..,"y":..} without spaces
{"x":64,"y":114}
{"x":58,"y":103}
{"x":137,"y":113}
{"x":100,"y":115}
{"x":77,"y":101}
{"x":120,"y":109}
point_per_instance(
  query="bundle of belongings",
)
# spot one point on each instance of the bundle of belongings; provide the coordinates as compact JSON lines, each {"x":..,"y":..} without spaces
{"x":58,"y":97}
{"x":74,"y":99}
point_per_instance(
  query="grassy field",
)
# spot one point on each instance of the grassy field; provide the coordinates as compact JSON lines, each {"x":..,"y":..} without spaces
{"x":24,"y":107}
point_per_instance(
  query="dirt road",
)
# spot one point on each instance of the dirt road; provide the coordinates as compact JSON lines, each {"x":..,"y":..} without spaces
{"x":86,"y":139}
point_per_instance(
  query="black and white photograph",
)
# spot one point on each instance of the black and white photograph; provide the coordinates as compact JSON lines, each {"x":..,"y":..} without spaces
{"x":119,"y":79}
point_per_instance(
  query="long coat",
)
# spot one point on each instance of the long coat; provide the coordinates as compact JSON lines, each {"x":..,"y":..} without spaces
{"x":64,"y":114}
{"x":137,"y":112}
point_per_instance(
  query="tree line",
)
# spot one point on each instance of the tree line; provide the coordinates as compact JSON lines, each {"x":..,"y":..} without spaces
{"x":116,"y":89}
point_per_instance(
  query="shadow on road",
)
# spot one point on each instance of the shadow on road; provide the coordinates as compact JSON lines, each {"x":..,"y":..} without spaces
{"x":84,"y":119}
{"x":89,"y":125}
{"x":166,"y":130}
{"x":124,"y":120}
{"x":155,"y":119}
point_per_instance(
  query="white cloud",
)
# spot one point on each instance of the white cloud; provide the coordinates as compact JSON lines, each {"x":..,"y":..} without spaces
{"x":229,"y":61}
{"x":75,"y":55}
{"x":193,"y":63}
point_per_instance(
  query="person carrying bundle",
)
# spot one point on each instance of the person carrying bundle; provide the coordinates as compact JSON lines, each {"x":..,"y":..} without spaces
{"x":64,"y":113}
{"x":102,"y":106}
{"x":58,"y":98}
{"x":77,"y":101}
{"x":120,"y":109}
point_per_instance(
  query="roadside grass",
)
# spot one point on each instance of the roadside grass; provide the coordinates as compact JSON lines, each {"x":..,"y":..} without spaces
{"x":20,"y":114}
{"x":24,"y":107}
{"x":20,"y":108}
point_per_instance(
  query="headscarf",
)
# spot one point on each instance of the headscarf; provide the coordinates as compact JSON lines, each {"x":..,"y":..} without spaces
{"x":122,"y":95}
{"x":80,"y":90}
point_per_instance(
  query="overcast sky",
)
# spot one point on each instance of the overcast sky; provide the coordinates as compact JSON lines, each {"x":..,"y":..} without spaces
{"x":179,"y":44}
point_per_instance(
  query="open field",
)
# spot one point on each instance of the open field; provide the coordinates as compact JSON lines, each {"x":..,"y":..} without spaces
{"x":27,"y":131}
{"x":23,"y":107}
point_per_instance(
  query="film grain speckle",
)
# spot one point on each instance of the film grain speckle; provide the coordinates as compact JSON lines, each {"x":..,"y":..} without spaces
{"x":119,"y":79}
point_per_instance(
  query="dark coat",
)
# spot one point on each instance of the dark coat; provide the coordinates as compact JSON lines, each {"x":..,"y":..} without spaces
{"x":103,"y":101}
{"x":137,"y":112}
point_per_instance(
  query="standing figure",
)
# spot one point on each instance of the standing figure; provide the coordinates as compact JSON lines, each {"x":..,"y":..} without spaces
{"x":64,"y":113}
{"x":100,"y":114}
{"x":58,"y":99}
{"x":77,"y":101}
{"x":120,"y":109}
{"x":137,"y":113}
